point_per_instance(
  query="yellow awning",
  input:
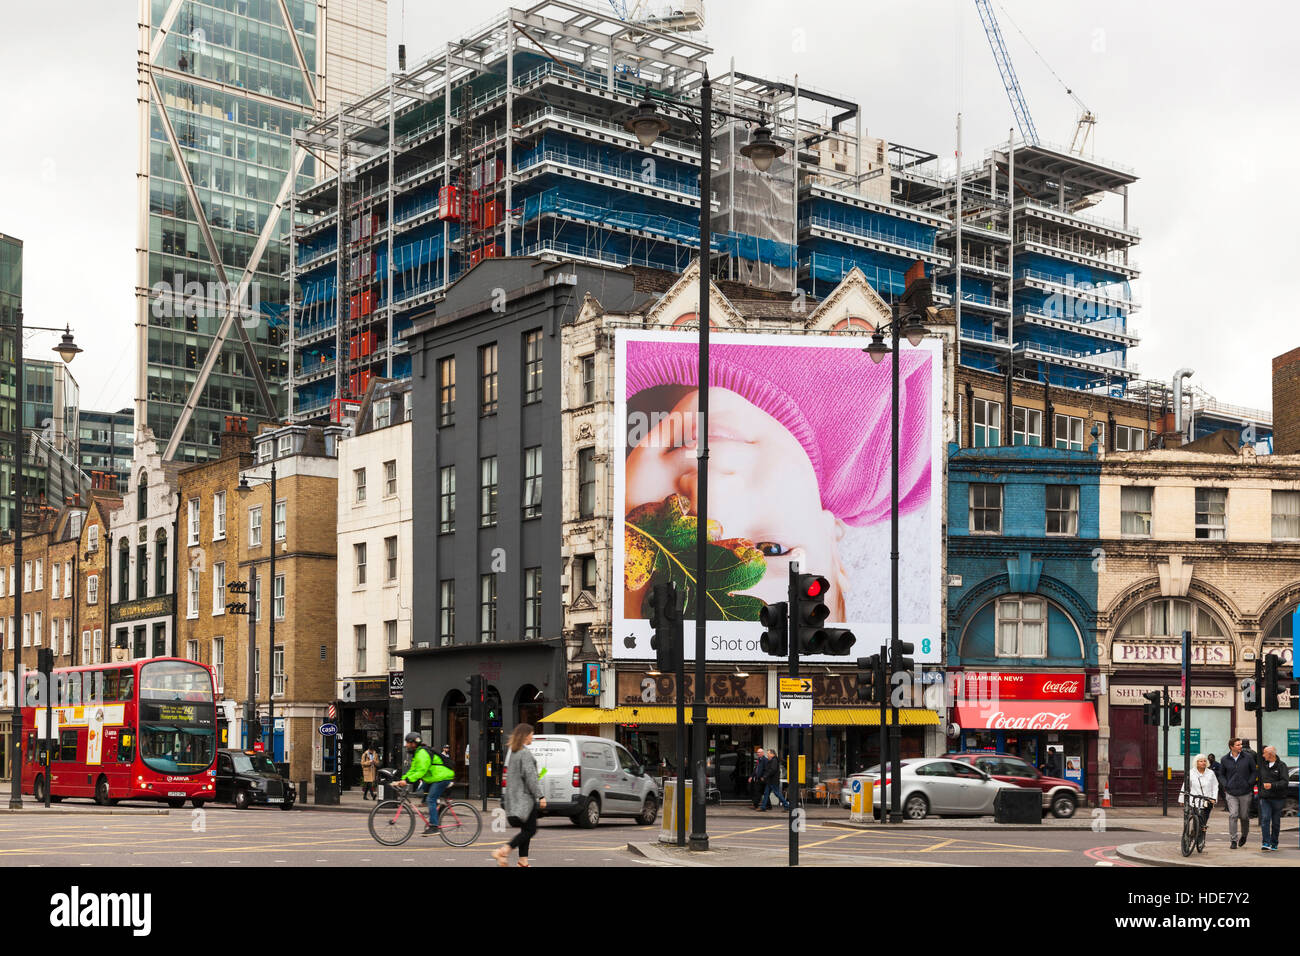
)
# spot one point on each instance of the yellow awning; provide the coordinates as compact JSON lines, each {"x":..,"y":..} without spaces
{"x":658,"y":715}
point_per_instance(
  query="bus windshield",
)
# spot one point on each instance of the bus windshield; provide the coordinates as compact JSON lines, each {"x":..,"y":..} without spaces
{"x":177,"y":717}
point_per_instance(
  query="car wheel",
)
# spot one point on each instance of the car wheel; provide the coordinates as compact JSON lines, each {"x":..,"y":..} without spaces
{"x":287,"y":805}
{"x":916,"y":807}
{"x":241,"y":800}
{"x":102,"y":792}
{"x":1289,"y":809}
{"x":1063,"y":806}
{"x":650,"y":811}
{"x":589,"y":815}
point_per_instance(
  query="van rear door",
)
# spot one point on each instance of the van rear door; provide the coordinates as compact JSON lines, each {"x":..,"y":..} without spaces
{"x":556,"y":756}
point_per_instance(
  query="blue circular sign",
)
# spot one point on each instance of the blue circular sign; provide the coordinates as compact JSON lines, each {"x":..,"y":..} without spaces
{"x":328,"y":730}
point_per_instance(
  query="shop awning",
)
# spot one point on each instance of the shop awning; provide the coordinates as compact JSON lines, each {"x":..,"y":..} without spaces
{"x":1027,"y":715}
{"x":659,"y":715}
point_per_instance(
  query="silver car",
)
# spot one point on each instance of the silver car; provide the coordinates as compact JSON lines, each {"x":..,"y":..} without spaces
{"x":934,"y":785}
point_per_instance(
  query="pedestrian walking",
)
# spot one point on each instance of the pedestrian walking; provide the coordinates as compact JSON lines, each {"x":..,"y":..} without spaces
{"x":1202,"y":782}
{"x":369,"y":772}
{"x":756,"y":778}
{"x":772,"y":781}
{"x":522,"y":798}
{"x":1272,"y":796}
{"x":1238,"y":770}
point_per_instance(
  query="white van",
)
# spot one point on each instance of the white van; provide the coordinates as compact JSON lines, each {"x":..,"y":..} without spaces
{"x":587,"y":777}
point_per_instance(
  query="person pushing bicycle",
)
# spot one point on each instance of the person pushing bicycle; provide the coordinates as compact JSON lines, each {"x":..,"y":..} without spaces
{"x":1201,"y":782}
{"x":430,"y":770}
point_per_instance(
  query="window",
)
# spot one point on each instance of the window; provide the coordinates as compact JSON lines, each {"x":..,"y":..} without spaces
{"x":280,"y":520}
{"x":192,"y":609}
{"x":1068,"y":432}
{"x":487,"y":357}
{"x":533,"y":366}
{"x":54,"y":579}
{"x":255,"y":527}
{"x":446,"y":391}
{"x":277,"y":671}
{"x":283,"y":446}
{"x":532,"y":603}
{"x":92,"y":589}
{"x":123,"y":571}
{"x":390,"y":559}
{"x":277,"y":598}
{"x":533,"y":482}
{"x":587,"y":572}
{"x":257,"y":669}
{"x":1211,"y":513}
{"x":85,"y":657}
{"x":219,"y":662}
{"x":447,"y":499}
{"x":487,"y":509}
{"x":257,"y":597}
{"x":98,"y":650}
{"x":1022,"y":627}
{"x":54,"y":635}
{"x":586,"y":482}
{"x":1128,"y":438}
{"x":67,"y":746}
{"x":142,"y":497}
{"x":264,"y":450}
{"x":588,"y":379}
{"x":390,"y":639}
{"x":219,"y":516}
{"x":219,"y":587}
{"x":92,"y":538}
{"x":359,"y":560}
{"x":359,"y":481}
{"x":447,"y":612}
{"x":192,"y":650}
{"x":40,"y":575}
{"x":487,"y":607}
{"x":67,"y":579}
{"x":160,"y":562}
{"x":986,"y":509}
{"x":390,"y":478}
{"x":1169,"y":617}
{"x":141,"y":569}
{"x":986,"y":417}
{"x":1286,"y":515}
{"x":37,"y":618}
{"x":27,"y":576}
{"x":1026,"y":426}
{"x":1062,"y":509}
{"x":1135,"y":511}
{"x":67,"y":637}
{"x":194,"y":520}
{"x":359,"y":640}
{"x":2,"y":583}
{"x":27,"y":630}
{"x":383,"y":413}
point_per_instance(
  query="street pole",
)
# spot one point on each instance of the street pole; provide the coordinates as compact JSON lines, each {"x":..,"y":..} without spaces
{"x":250,"y":707}
{"x":1259,"y":713}
{"x":1187,"y":708}
{"x":270,"y":688}
{"x":49,"y":724}
{"x":884,"y":735}
{"x":699,"y":706}
{"x":16,"y":526}
{"x":794,"y":734}
{"x":1164,"y":783}
{"x":895,"y":736}
{"x":679,"y":636}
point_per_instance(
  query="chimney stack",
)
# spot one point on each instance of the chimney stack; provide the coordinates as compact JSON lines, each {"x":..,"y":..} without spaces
{"x":235,"y":440}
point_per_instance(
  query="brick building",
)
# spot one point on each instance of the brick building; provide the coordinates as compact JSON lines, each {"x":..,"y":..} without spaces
{"x":93,"y":572}
{"x":1286,"y":403}
{"x":47,"y":577}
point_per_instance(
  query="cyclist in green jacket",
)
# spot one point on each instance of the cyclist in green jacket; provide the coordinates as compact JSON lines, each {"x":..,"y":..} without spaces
{"x":430,"y":771}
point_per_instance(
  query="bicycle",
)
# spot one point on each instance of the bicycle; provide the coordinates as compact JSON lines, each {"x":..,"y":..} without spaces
{"x":1196,"y":808}
{"x":393,"y":821}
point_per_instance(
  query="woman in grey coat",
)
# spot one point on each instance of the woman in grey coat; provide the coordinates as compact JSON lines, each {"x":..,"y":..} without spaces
{"x":522,"y":797}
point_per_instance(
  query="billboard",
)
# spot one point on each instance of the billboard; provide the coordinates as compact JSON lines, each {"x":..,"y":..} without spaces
{"x":799,"y":449}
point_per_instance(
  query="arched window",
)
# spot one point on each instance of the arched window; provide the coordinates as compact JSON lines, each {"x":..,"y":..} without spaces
{"x":1021,"y":627}
{"x":1169,"y":617}
{"x":142,"y":497}
{"x":160,"y":562}
{"x":853,"y":322}
{"x":124,"y":570}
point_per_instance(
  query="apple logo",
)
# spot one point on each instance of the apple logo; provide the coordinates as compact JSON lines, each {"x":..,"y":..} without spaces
{"x":629,"y":641}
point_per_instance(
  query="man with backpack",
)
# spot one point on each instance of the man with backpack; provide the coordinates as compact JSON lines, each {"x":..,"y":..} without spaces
{"x":429,"y":770}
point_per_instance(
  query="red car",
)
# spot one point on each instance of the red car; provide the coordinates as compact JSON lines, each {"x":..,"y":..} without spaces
{"x":1060,"y":796}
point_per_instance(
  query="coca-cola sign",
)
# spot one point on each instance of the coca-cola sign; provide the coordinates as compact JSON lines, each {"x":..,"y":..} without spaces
{"x":995,"y":685}
{"x":1042,"y":720}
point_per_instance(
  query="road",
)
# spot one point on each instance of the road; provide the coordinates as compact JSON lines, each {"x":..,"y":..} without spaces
{"x":263,"y":837}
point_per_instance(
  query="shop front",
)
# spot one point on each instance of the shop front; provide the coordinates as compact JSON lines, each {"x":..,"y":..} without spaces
{"x":1043,"y":718}
{"x":363,"y":722}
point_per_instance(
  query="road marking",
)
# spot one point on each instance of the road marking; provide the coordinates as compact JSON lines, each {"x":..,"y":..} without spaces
{"x":938,"y":846}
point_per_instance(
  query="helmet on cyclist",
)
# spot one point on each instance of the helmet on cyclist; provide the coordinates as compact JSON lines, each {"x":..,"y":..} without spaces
{"x":412,"y":738}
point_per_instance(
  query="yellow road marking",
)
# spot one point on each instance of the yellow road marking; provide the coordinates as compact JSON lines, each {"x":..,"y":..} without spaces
{"x":938,"y":846}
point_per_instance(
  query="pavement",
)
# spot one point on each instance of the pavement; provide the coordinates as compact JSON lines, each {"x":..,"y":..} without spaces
{"x":1217,"y":853}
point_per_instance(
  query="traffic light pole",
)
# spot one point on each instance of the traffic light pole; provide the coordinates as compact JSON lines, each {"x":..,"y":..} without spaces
{"x":884,"y":736}
{"x":794,"y":735}
{"x":1164,"y":783}
{"x":679,"y":635}
{"x":1261,"y":701}
{"x":895,"y":738}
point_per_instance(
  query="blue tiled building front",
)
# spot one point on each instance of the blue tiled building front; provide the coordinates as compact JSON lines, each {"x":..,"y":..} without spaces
{"x":1023,"y":533}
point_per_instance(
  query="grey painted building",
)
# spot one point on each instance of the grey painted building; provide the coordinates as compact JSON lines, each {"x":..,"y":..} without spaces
{"x":488,"y":457}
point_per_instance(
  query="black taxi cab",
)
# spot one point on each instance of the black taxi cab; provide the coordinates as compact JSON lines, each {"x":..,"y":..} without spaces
{"x":247,"y":778}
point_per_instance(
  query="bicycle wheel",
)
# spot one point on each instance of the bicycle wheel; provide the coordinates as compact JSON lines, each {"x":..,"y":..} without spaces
{"x":459,"y":824}
{"x":1191,"y":829}
{"x":392,"y":822}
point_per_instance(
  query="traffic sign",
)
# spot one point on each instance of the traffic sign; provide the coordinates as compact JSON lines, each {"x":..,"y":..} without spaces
{"x":794,"y":702}
{"x":796,"y":685}
{"x":328,"y":730}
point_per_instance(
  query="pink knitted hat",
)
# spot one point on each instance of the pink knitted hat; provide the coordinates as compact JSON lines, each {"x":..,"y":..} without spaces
{"x":834,"y":401}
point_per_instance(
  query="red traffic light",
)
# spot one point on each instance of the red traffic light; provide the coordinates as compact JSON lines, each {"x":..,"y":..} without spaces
{"x":815,"y":587}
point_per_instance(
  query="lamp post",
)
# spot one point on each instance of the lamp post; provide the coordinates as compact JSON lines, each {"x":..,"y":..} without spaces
{"x":243,"y":489}
{"x":67,"y":350}
{"x":647,"y":124}
{"x":914,"y":330}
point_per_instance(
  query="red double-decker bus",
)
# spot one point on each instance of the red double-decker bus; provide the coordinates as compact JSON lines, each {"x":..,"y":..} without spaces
{"x":143,"y":730}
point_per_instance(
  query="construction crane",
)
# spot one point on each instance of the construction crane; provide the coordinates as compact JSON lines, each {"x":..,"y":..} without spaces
{"x":1087,"y":119}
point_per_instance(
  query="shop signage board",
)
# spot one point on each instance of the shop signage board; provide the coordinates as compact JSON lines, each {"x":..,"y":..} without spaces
{"x":1170,"y":652}
{"x":634,"y":688}
{"x":794,"y":702}
{"x":992,"y":685}
{"x":1130,"y":695}
{"x":1293,"y":742}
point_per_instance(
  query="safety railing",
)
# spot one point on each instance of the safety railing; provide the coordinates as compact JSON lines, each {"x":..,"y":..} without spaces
{"x":537,"y":158}
{"x":865,"y":233}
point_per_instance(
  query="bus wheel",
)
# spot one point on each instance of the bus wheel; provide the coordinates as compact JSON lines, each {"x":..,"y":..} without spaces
{"x":176,"y":802}
{"x":198,"y":804}
{"x":38,"y":790}
{"x":101,"y":792}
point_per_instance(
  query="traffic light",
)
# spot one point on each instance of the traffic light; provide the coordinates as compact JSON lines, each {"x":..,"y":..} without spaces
{"x":475,"y":682}
{"x":254,"y":731}
{"x":810,"y":611}
{"x":1175,"y":715}
{"x":1271,"y":689}
{"x":1250,"y":693}
{"x":1151,"y":709}
{"x":775,"y":619}
{"x":899,"y":662}
{"x":666,"y":619}
{"x":871,"y":679}
{"x":492,"y":710}
{"x":45,"y":661}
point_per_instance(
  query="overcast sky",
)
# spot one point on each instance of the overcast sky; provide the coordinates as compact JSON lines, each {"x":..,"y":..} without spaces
{"x":1199,"y":98}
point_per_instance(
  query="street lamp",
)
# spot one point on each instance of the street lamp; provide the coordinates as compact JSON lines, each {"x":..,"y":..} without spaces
{"x":646,"y":124}
{"x":67,"y":350}
{"x":915,"y":297}
{"x":244,"y":489}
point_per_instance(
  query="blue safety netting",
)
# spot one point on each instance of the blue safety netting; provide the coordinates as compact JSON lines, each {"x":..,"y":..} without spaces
{"x":1067,"y":272}
{"x":612,"y":160}
{"x":869,"y":224}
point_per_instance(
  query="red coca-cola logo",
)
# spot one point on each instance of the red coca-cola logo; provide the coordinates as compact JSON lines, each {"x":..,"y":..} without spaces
{"x":1061,"y":687}
{"x":1043,"y":720}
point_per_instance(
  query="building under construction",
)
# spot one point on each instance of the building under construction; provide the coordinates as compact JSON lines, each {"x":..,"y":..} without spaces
{"x":511,"y":141}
